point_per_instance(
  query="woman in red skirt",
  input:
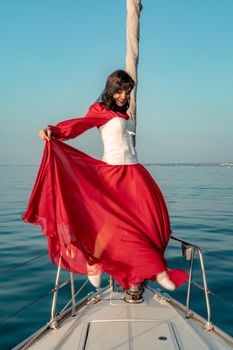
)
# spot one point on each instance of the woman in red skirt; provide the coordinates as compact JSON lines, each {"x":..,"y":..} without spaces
{"x":102,"y":215}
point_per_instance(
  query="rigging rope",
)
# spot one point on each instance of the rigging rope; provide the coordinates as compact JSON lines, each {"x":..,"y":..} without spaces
{"x":21,"y":264}
{"x":7,"y":317}
{"x":221,"y":299}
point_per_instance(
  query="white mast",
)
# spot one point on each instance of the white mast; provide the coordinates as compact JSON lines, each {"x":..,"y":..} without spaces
{"x":132,"y":48}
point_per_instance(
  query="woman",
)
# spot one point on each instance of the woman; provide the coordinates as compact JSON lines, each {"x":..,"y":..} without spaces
{"x":103,"y":215}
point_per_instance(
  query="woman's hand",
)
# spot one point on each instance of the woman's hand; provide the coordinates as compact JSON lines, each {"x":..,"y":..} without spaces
{"x":45,"y":133}
{"x":132,"y":116}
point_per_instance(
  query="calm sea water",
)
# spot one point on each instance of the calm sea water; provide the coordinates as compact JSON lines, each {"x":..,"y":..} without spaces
{"x":200,"y":202}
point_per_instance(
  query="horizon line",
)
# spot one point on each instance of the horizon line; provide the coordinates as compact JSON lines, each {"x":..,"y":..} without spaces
{"x":228,"y":163}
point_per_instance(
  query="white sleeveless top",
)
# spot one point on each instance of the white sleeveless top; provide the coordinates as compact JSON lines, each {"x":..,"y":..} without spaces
{"x":117,"y":135}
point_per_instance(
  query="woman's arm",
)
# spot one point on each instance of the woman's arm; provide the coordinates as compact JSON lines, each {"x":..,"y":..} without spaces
{"x":97,"y":115}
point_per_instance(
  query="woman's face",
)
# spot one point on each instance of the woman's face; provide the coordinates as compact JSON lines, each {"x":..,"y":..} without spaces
{"x":121,"y":97}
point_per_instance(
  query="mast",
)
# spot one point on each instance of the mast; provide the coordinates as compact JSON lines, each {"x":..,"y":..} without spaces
{"x":134,"y":8}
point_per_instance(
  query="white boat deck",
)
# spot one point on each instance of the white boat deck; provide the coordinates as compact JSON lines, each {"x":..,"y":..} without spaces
{"x":113,"y":324}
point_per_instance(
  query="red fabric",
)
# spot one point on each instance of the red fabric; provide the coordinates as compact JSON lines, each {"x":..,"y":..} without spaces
{"x":97,"y":115}
{"x":99,"y":217}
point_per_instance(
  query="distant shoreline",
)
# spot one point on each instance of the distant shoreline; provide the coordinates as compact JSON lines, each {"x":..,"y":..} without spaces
{"x":226,"y":164}
{"x":223,"y":164}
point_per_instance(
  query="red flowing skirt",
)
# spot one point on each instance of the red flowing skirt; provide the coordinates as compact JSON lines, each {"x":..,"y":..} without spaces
{"x":99,"y":217}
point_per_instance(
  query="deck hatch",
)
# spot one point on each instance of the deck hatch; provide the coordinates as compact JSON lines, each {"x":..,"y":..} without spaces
{"x":130,"y":335}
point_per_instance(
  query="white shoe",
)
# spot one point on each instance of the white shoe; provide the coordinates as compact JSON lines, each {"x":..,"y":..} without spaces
{"x":95,"y":280}
{"x":164,"y":280}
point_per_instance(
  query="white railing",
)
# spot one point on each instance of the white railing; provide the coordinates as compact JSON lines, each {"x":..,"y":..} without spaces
{"x":189,"y":250}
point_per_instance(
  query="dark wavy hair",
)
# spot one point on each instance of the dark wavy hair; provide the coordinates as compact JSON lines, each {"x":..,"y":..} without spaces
{"x":118,"y":80}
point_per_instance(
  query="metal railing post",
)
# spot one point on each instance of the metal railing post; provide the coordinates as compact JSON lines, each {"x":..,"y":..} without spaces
{"x":53,"y":321}
{"x":189,"y":283}
{"x":72,"y":293}
{"x":209,"y":324}
{"x":186,"y":244}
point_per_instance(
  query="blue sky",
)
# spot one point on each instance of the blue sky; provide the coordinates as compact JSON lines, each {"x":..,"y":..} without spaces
{"x":56,"y":55}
